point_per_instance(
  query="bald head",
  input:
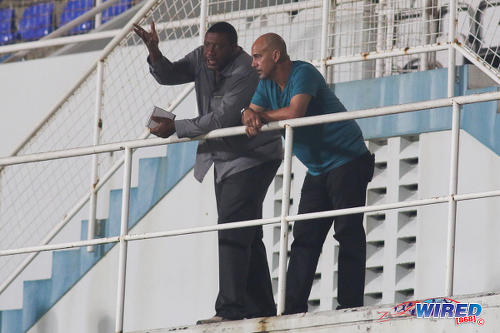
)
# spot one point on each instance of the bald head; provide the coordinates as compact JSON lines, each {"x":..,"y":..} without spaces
{"x":273,"y":42}
{"x":269,"y":56}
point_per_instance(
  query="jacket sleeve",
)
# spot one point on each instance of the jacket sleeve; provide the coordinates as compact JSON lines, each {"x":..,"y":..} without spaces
{"x":225,"y":110}
{"x":170,"y":73}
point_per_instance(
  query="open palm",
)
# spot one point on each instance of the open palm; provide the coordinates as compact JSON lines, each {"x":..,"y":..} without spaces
{"x":149,"y":38}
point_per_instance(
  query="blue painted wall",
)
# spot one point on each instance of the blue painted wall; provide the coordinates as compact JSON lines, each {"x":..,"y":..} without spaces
{"x":481,"y":120}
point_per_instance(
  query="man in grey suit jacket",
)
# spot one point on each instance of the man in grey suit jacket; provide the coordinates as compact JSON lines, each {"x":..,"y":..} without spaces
{"x":244,"y":167}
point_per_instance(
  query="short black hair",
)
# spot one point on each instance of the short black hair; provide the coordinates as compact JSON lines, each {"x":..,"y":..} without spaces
{"x":224,"y":27}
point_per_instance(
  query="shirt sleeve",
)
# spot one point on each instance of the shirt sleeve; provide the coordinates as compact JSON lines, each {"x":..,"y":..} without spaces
{"x":178,"y":72}
{"x":226,"y":112}
{"x":260,"y":96}
{"x":307,"y":80}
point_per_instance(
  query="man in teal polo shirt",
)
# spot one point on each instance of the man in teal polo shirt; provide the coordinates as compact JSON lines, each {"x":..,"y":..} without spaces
{"x":339,"y":169}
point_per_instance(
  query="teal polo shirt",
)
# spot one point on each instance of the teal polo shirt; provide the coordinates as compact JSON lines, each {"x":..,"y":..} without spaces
{"x":323,"y":147}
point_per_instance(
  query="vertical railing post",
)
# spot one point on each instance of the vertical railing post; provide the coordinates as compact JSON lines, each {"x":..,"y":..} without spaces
{"x":424,"y":57}
{"x":203,"y":19}
{"x":122,"y":259}
{"x":94,"y":177}
{"x":368,"y":67}
{"x":455,"y":131}
{"x":452,"y":28}
{"x":285,"y":205}
{"x":381,"y":37}
{"x":98,"y":17}
{"x":390,"y":9}
{"x":324,"y":36}
{"x":452,"y":203}
{"x":330,"y":70}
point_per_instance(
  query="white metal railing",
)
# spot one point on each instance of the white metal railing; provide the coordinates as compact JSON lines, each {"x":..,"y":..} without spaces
{"x":71,"y":125}
{"x":106,"y":92}
{"x":406,"y":26}
{"x":285,"y":218}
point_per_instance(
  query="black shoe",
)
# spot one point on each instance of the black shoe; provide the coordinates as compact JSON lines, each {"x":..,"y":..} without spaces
{"x":213,"y":320}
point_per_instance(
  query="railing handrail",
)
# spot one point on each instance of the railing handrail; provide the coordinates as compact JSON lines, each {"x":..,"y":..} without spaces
{"x":128,"y":146}
{"x":105,"y":52}
{"x":240,"y":130}
{"x":86,"y":198}
{"x":285,"y":218}
{"x":257,"y":222}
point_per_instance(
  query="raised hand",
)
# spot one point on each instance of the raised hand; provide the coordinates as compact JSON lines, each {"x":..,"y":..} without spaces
{"x":150,"y":39}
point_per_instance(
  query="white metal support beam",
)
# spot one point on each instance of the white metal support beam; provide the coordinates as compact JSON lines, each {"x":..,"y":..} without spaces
{"x":452,"y":203}
{"x":452,"y":31}
{"x":324,"y":36}
{"x":488,"y":70}
{"x":122,"y":260}
{"x":97,"y":128}
{"x":250,"y":223}
{"x":285,"y":207}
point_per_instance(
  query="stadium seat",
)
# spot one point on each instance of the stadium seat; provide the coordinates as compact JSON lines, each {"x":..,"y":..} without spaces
{"x":115,"y":10}
{"x":72,"y":10}
{"x":36,"y":21}
{"x":6,"y":26}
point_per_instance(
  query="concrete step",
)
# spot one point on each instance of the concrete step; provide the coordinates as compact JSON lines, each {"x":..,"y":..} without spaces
{"x":365,"y":319}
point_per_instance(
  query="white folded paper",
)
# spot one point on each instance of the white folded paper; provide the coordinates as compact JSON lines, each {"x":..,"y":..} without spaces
{"x":160,"y":113}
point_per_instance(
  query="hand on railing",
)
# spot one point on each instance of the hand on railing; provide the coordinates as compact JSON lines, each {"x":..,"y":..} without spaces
{"x":252,"y":120}
{"x":150,"y":39}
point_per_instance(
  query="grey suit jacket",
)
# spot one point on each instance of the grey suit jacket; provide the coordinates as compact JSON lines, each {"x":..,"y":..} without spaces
{"x":220,"y":100}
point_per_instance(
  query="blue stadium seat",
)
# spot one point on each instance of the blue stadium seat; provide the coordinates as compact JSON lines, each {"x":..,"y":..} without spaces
{"x":6,"y":26}
{"x":36,"y":21}
{"x":115,"y":10}
{"x":72,"y":10}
